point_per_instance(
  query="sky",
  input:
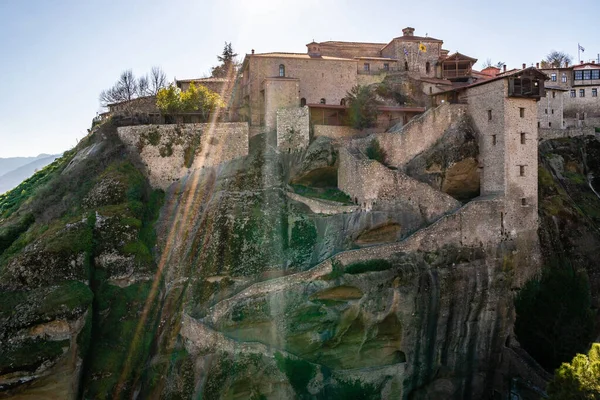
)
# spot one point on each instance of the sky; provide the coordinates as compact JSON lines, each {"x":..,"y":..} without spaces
{"x":56,"y":56}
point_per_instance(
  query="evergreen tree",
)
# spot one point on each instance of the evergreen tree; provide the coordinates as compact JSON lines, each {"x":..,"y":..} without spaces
{"x":228,"y":63}
{"x":579,"y":379}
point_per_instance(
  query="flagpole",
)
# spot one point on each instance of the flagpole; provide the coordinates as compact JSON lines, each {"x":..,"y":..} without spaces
{"x":579,"y":53}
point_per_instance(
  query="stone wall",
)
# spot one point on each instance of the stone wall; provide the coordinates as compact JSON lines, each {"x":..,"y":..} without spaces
{"x":521,"y":165}
{"x":486,"y":108}
{"x":419,"y":134}
{"x":477,"y":224}
{"x":335,"y":132}
{"x":373,"y":185}
{"x":550,"y":109}
{"x":170,"y":152}
{"x":279,"y":93}
{"x":293,"y":131}
{"x":546,"y":134}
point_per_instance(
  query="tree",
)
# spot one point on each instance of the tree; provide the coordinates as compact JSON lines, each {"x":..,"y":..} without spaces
{"x":158,"y":81}
{"x":201,"y":99}
{"x":228,"y":63}
{"x":125,"y":89}
{"x":557,"y":59}
{"x":363,"y":104}
{"x":168,"y":100}
{"x":172,"y":101}
{"x":554,"y":316}
{"x":579,"y":379}
{"x":488,"y":63}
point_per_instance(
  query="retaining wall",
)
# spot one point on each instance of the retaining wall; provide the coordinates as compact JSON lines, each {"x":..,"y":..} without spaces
{"x":545,"y":133}
{"x":170,"y":152}
{"x":403,"y":144}
{"x":368,"y":183}
{"x":293,"y":132}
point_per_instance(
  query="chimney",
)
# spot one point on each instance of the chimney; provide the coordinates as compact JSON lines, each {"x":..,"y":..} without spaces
{"x":593,"y":61}
{"x":524,"y":65}
{"x":566,"y":64}
{"x":581,"y":62}
{"x":537,"y":65}
{"x":252,"y":51}
{"x":504,"y":67}
{"x":408,"y":31}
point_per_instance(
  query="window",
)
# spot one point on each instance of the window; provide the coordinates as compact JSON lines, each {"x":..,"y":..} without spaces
{"x":427,"y":67}
{"x":553,"y":77}
{"x":563,"y":78}
{"x":521,"y":170}
{"x":572,"y":92}
{"x":522,"y":137}
{"x":302,"y":102}
{"x":489,"y":115}
{"x":343,"y":102}
{"x":430,"y":90}
{"x":406,"y":65}
{"x":596,"y":74}
{"x":594,"y":92}
{"x":553,"y":94}
{"x":587,"y":75}
{"x":367,"y":67}
{"x":578,"y":75}
{"x":521,"y":112}
{"x":493,"y":140}
{"x":323,"y":101}
{"x":386,"y":66}
{"x":281,"y":70}
{"x":539,"y":125}
{"x":581,"y":92}
{"x":549,"y":124}
{"x":546,"y":111}
{"x":523,"y":201}
{"x":552,"y":111}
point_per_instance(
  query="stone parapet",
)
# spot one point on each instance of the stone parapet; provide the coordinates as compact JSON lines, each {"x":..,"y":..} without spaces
{"x":546,"y":134}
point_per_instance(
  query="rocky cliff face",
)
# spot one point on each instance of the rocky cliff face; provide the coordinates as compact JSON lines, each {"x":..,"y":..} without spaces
{"x":236,"y":289}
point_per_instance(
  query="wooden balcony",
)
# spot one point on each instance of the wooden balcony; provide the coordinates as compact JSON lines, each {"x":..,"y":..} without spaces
{"x":456,"y":73}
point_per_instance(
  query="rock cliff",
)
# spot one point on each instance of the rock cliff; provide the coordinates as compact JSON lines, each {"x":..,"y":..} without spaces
{"x":227,"y":285}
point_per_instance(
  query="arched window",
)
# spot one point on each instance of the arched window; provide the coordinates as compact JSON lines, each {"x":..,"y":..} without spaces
{"x":281,"y":70}
{"x":427,"y":67}
{"x":343,"y":102}
{"x":323,"y":101}
{"x":302,"y":102}
{"x":406,"y":65}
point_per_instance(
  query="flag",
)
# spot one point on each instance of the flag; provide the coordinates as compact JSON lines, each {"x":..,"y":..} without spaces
{"x":580,"y":47}
{"x":422,"y":48}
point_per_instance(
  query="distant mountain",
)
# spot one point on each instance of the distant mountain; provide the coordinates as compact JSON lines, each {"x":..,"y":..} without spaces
{"x":12,"y":178}
{"x":12,"y":163}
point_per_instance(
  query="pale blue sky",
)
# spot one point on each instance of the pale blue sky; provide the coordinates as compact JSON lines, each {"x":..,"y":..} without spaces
{"x":56,"y":56}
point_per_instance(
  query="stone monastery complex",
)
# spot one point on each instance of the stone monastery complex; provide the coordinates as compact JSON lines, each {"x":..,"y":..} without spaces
{"x":426,"y":93}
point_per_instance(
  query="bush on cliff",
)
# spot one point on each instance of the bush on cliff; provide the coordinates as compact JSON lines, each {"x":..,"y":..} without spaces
{"x":579,"y":379}
{"x":554,"y":316}
{"x":376,"y":152}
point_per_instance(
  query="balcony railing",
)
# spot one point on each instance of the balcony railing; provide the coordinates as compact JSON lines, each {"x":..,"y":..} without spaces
{"x":456,"y":73}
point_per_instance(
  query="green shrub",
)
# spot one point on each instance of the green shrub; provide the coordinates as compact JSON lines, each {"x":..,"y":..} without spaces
{"x":376,"y":152}
{"x":298,"y":372}
{"x":10,"y":233}
{"x":368,"y":266}
{"x":554,"y":316}
{"x":579,"y":379}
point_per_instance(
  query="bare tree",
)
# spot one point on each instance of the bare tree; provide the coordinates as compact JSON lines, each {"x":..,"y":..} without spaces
{"x":558,"y":59}
{"x":125,"y":89}
{"x":143,"y":86}
{"x":158,"y":80}
{"x":487,"y":63}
